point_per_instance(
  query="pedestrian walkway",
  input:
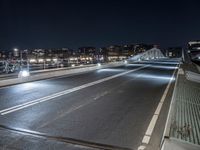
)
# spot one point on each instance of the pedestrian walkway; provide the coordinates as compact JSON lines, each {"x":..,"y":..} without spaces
{"x":186,"y":121}
{"x":185,"y":115}
{"x":175,"y":144}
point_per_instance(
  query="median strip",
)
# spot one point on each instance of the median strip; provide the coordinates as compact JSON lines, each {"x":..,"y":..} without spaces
{"x":53,"y":96}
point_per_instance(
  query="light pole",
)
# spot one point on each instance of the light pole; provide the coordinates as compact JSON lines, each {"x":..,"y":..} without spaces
{"x":16,"y":53}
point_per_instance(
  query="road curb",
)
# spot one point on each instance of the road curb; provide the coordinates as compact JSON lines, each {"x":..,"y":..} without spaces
{"x":170,"y":112}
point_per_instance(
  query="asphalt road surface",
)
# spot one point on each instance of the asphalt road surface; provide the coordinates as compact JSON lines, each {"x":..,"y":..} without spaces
{"x":108,"y":107}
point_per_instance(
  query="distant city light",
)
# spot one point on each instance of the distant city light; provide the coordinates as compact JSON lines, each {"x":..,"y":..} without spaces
{"x":32,"y":60}
{"x":55,"y":59}
{"x":82,"y":58}
{"x":73,"y":59}
{"x":101,"y":58}
{"x":15,"y":49}
{"x":40,"y":60}
{"x":48,"y":59}
{"x":98,"y":64}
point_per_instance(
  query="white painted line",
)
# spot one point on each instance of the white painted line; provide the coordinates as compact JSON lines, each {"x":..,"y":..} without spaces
{"x":166,"y":129}
{"x":141,"y":147}
{"x":154,"y":119}
{"x":146,"y":139}
{"x":46,"y":98}
{"x":158,"y":109}
{"x":151,"y":125}
{"x":164,"y":95}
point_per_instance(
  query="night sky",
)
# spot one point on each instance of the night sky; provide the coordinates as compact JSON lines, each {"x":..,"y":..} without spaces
{"x":64,"y":23}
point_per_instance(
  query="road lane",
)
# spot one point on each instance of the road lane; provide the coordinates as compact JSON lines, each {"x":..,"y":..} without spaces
{"x":65,"y":92}
{"x":115,"y":112}
{"x":18,"y":94}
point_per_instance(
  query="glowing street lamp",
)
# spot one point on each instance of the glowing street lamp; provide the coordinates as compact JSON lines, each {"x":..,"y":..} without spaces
{"x":16,"y":53}
{"x":23,"y":74}
{"x":15,"y":49}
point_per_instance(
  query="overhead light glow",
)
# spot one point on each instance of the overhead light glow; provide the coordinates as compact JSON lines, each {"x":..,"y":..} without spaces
{"x":156,"y":77}
{"x":110,"y":70}
{"x":164,"y":67}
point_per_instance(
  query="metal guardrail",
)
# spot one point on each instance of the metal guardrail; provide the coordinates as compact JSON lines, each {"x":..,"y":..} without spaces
{"x":15,"y":75}
{"x":52,"y":74}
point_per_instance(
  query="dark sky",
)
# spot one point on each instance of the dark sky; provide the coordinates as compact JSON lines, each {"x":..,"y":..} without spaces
{"x":64,"y":23}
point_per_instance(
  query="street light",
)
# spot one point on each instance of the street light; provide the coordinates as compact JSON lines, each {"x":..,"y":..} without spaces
{"x":23,"y":73}
{"x":16,"y":51}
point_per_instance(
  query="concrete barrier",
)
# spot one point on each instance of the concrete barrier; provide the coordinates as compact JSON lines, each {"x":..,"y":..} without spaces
{"x":14,"y":75}
{"x":56,"y":73}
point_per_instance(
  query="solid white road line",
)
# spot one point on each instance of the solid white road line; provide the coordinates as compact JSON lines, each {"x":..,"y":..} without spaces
{"x":46,"y":98}
{"x":170,"y":108}
{"x":151,"y":125}
{"x":154,"y":119}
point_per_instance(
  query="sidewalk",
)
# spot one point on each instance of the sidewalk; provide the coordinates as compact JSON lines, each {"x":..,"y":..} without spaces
{"x":174,"y":144}
{"x":184,"y":123}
